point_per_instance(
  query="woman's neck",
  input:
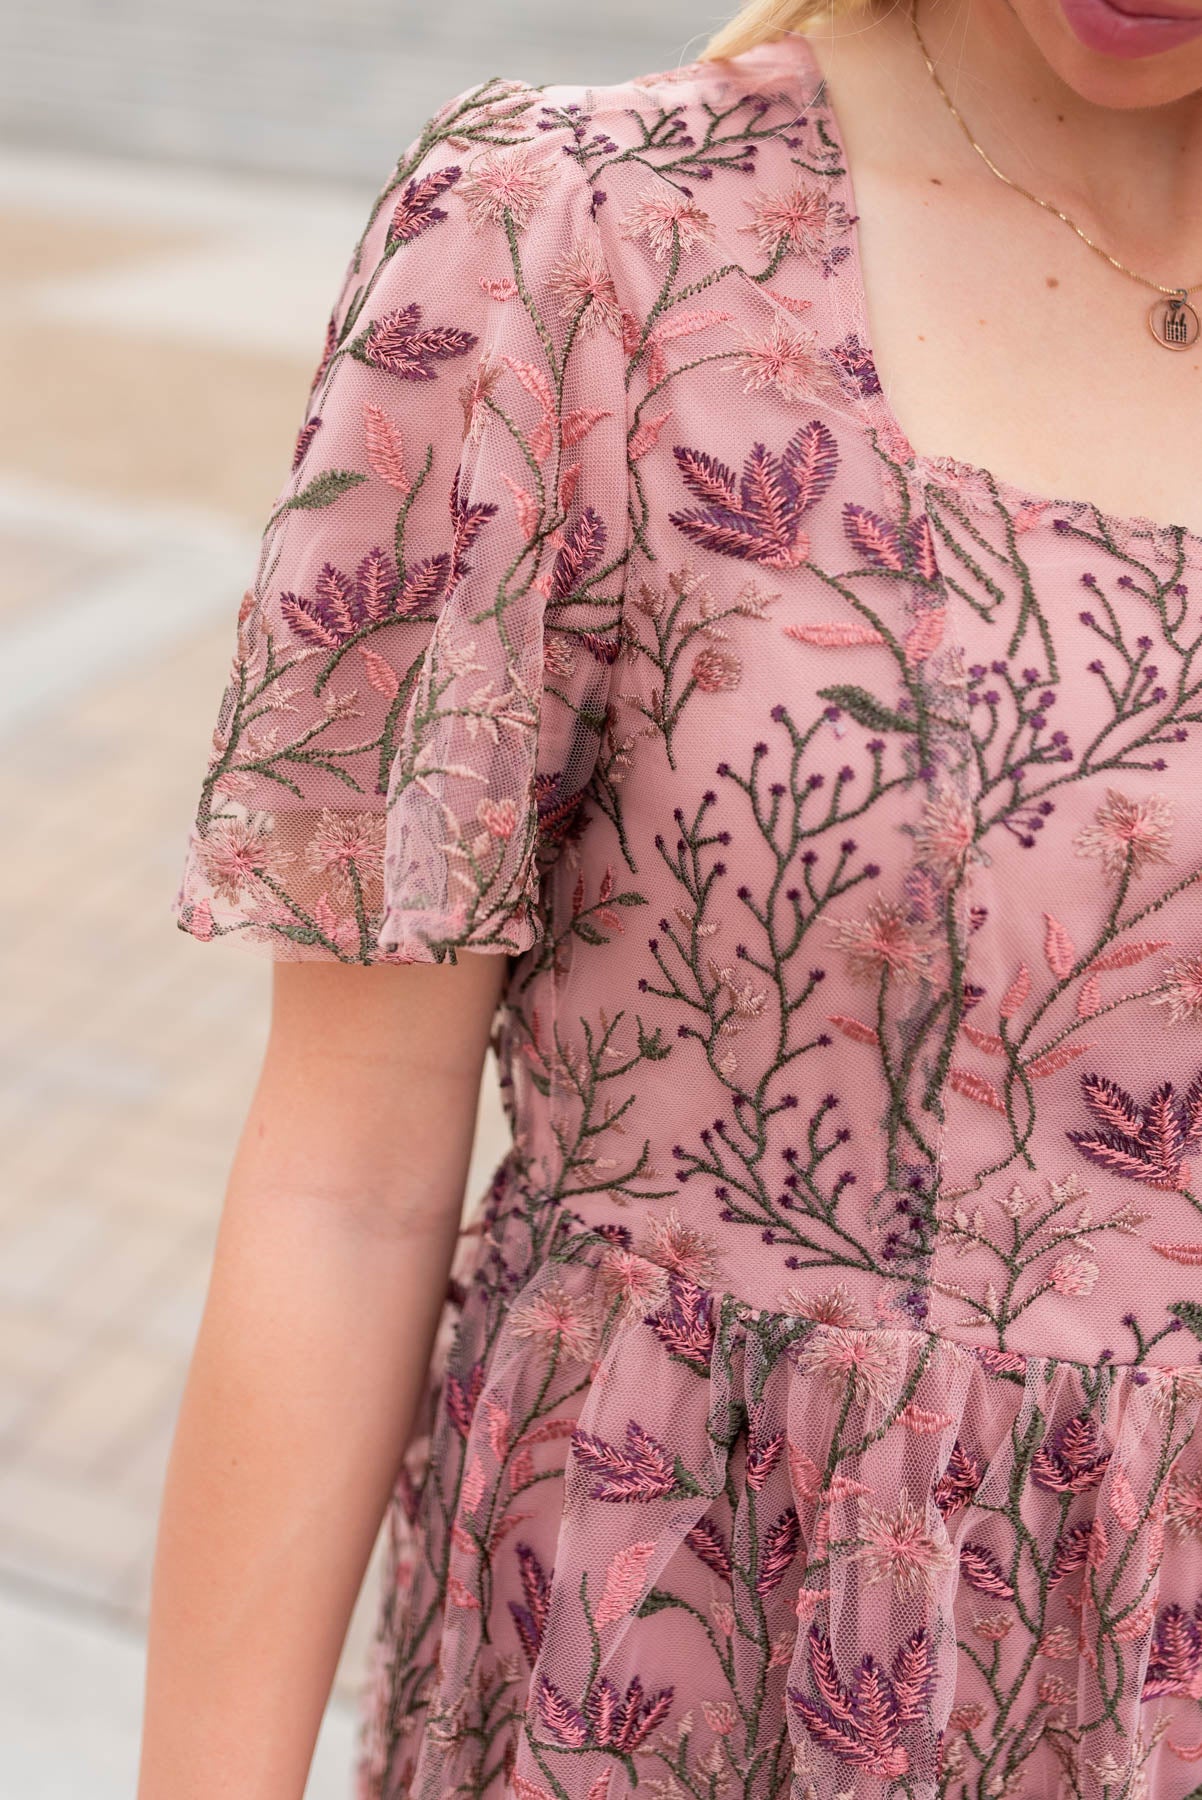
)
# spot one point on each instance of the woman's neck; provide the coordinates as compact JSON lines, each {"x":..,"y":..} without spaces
{"x":1127,"y":171}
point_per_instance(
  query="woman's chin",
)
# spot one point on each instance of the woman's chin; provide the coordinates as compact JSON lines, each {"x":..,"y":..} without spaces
{"x":1143,"y":53}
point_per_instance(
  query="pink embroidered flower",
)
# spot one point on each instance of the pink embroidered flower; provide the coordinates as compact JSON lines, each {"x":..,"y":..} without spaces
{"x":348,"y":847}
{"x":625,"y":1582}
{"x":968,"y":481}
{"x":834,"y":1306}
{"x":580,"y":278}
{"x":715,"y":670}
{"x":1175,"y":1387}
{"x":665,"y":218}
{"x":237,"y":855}
{"x":803,"y":217}
{"x":883,"y":940}
{"x":1074,"y":1274}
{"x":867,"y":1361}
{"x":720,"y":1716}
{"x":945,"y":834}
{"x":474,"y":395}
{"x":632,"y":1282}
{"x":1183,"y":1505}
{"x":1125,"y":830}
{"x":559,"y":658}
{"x":791,"y":361}
{"x":509,"y":181}
{"x":723,"y":1615}
{"x":1182,"y":993}
{"x":499,"y":817}
{"x":339,"y":924}
{"x":199,"y":920}
{"x":557,"y":1318}
{"x":809,"y":1600}
{"x":684,"y":1249}
{"x":993,"y":1627}
{"x":897,"y":1545}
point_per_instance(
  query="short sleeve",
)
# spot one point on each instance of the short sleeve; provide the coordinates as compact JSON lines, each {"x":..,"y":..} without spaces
{"x":423,"y":661}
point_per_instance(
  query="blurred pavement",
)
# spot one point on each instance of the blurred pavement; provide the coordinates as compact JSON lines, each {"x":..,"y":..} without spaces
{"x":160,"y":325}
{"x":315,"y":87}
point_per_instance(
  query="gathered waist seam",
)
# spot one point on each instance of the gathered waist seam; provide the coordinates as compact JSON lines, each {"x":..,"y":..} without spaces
{"x":509,"y":1178}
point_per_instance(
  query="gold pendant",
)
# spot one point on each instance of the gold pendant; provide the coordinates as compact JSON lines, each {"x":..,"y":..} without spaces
{"x":1173,"y":322}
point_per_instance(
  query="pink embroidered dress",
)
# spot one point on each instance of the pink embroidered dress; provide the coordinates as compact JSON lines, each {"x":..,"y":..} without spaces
{"x":816,"y":1413}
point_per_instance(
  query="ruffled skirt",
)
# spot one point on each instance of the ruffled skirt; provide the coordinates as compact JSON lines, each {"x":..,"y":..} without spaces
{"x":656,"y":1537}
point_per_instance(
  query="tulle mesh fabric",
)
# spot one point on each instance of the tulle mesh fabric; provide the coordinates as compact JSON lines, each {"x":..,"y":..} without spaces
{"x":815,"y":1409}
{"x":738,"y":1545}
{"x":419,"y":689}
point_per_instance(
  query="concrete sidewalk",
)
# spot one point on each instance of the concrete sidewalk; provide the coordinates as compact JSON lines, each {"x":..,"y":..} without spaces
{"x":159,"y":332}
{"x":72,"y":1686}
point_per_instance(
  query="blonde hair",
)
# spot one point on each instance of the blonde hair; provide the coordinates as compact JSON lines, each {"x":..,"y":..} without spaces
{"x":762,"y":20}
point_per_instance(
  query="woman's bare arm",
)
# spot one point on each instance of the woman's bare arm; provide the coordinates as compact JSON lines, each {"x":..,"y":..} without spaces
{"x":327,"y":1281}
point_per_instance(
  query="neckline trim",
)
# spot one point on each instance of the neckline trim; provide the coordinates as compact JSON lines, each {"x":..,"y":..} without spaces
{"x":973,"y":482}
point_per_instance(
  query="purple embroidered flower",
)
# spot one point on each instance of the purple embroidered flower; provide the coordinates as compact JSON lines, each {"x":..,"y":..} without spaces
{"x":763,"y":1455}
{"x":304,"y":438}
{"x":1175,"y":1657}
{"x":1144,"y":1143}
{"x":530,"y":1620}
{"x":642,"y":1470}
{"x":706,"y":1541}
{"x":759,"y":517}
{"x":1071,"y":1460}
{"x":624,"y":1722}
{"x":981,"y":1570}
{"x":399,"y":342}
{"x":959,"y":1481}
{"x":1081,"y":1546}
{"x":565,"y":1722}
{"x":415,"y":211}
{"x":343,"y":605}
{"x":781,"y":1545}
{"x":463,"y":1396}
{"x":856,"y":359}
{"x":862,"y":1723}
{"x":684,"y":1324}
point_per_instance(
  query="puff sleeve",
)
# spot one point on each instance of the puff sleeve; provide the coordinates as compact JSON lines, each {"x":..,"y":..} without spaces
{"x":419,"y":685}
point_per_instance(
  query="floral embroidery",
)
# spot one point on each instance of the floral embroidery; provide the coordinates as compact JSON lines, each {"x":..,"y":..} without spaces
{"x":816,"y":1410}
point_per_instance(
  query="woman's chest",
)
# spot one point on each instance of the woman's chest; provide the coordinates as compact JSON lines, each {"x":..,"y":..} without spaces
{"x":1039,"y":646}
{"x":1003,"y":340}
{"x":848,"y":681}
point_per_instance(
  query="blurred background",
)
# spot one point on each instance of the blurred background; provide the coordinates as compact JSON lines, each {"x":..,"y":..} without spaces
{"x":180,"y":188}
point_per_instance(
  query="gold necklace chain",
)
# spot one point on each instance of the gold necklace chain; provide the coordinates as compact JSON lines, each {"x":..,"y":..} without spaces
{"x":1173,"y":323}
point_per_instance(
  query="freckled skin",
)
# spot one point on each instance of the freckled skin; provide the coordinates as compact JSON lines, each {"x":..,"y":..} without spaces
{"x":1116,"y":145}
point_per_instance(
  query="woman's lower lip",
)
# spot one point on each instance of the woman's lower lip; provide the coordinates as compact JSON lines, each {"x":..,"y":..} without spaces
{"x":1102,"y":27}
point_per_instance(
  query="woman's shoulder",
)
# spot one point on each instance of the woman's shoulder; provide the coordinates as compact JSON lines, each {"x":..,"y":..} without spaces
{"x":769,"y":70}
{"x":633,"y":166}
{"x":696,"y":123}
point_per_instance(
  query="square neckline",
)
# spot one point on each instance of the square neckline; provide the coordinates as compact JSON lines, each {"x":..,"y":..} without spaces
{"x":943,"y":470}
